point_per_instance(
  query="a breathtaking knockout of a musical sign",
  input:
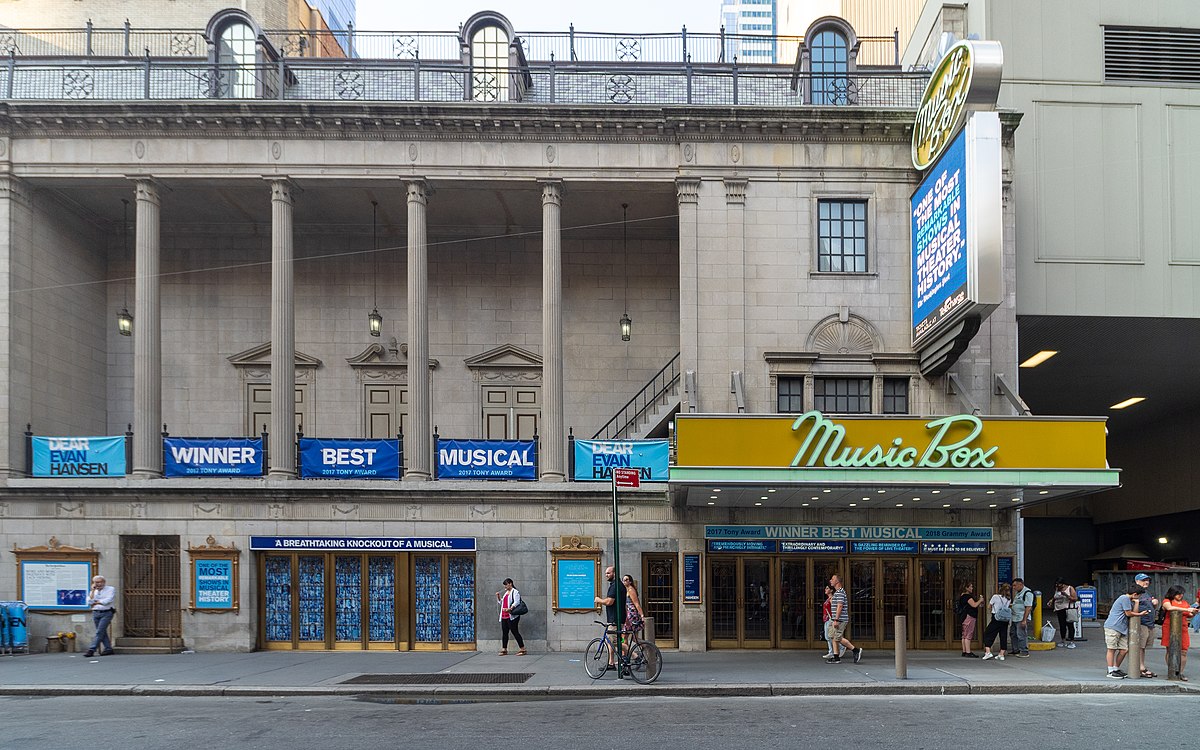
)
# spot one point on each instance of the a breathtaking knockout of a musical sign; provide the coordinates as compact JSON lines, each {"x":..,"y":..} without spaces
{"x":968,"y":77}
{"x":822,"y":446}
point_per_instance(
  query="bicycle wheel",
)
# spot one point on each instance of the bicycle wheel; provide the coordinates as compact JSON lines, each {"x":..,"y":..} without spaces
{"x":595,"y":658}
{"x":645,"y":661}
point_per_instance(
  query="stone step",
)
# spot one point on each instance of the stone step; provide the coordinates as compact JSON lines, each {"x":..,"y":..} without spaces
{"x":144,"y":650}
{"x":148,"y":645}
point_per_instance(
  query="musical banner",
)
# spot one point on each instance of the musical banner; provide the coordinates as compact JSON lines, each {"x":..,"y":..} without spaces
{"x":227,"y":457}
{"x":487,"y":459}
{"x":347,"y":458}
{"x":78,"y":456}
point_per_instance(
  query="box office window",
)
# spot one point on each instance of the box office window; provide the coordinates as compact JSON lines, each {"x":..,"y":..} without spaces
{"x":842,"y":236}
{"x":842,"y":395}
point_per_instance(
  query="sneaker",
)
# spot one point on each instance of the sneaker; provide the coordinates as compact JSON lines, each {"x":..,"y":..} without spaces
{"x":829,"y":656}
{"x":1022,"y":654}
{"x":971,"y":655}
{"x":857,"y":655}
{"x":1120,"y":674}
{"x":1061,"y":645}
{"x":1000,"y":657}
{"x":109,"y":652}
{"x":1070,"y":645}
{"x":835,"y":660}
{"x":1116,"y":675}
{"x":989,"y":655}
{"x":89,"y":653}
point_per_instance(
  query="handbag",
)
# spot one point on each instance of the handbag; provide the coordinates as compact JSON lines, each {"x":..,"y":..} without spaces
{"x":1004,"y":614}
{"x":1073,"y":614}
{"x":518,"y":609}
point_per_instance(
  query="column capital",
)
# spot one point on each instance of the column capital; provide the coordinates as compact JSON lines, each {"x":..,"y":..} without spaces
{"x":283,"y":189}
{"x":687,"y":189}
{"x":15,"y":189}
{"x":735,"y":190}
{"x":418,"y":191}
{"x":552,"y":191}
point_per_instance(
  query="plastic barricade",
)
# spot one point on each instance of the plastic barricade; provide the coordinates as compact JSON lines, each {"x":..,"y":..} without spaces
{"x":14,"y":632}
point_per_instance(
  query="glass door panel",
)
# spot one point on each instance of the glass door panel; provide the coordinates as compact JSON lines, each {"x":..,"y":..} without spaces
{"x":756,"y":602}
{"x":932,"y":604}
{"x":428,"y":599}
{"x":347,"y":599}
{"x":658,"y":597}
{"x":963,"y":572}
{"x":722,"y":599}
{"x":381,"y":599}
{"x":461,"y":594}
{"x":277,"y":595}
{"x":861,"y":592}
{"x":896,"y":574}
{"x":312,"y":600}
{"x":793,"y":598}
{"x":822,"y":570}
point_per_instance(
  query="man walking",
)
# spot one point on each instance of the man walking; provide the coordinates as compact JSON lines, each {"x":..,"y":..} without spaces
{"x":100,"y":599}
{"x":839,"y":619}
{"x":1022,"y":607}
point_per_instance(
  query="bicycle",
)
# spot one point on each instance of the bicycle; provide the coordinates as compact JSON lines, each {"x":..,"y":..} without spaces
{"x":641,"y":660}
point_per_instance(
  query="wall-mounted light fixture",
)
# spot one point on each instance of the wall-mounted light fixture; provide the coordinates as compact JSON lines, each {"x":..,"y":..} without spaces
{"x":626,"y":323}
{"x":374,"y":319}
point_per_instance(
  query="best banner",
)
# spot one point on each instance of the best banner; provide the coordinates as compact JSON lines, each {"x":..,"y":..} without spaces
{"x":228,"y":457}
{"x":595,"y":459}
{"x":78,"y":456}
{"x":487,"y":459}
{"x":341,"y":458}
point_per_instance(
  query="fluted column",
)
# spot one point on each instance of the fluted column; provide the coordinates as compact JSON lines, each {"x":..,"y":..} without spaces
{"x":147,"y":335}
{"x":283,"y":335}
{"x":553,"y":448}
{"x":417,"y":443}
{"x":687,"y":191}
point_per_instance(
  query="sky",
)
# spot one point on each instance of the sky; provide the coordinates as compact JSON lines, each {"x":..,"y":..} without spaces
{"x":643,"y":16}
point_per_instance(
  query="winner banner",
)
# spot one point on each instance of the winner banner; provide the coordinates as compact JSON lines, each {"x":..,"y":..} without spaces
{"x":78,"y":456}
{"x":226,"y":457}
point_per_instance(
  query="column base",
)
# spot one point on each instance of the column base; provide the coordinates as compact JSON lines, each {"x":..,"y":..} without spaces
{"x":145,"y":474}
{"x":552,"y":476}
{"x":417,"y":475}
{"x":280,"y":474}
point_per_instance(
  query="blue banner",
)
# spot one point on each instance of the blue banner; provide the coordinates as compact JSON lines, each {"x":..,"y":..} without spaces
{"x":864,"y":533}
{"x":79,"y":456}
{"x":487,"y":459}
{"x":595,"y":459}
{"x":955,"y":548}
{"x":348,"y":458}
{"x":225,"y":457}
{"x":939,"y":240}
{"x":883,"y":548}
{"x":826,"y":547}
{"x":576,"y":584}
{"x":214,"y":584}
{"x":691,"y":579}
{"x":361,"y":543}
{"x":740,"y":545}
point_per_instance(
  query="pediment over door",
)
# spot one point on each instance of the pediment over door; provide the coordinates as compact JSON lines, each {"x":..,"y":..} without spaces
{"x":255,"y":363}
{"x":380,"y":363}
{"x":506,"y":363}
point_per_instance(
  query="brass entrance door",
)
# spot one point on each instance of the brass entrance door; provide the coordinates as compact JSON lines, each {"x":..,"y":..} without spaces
{"x":933,"y":600}
{"x":963,"y":571}
{"x":658,"y":597}
{"x":741,"y":596}
{"x":150,"y":593}
{"x":878,"y":590}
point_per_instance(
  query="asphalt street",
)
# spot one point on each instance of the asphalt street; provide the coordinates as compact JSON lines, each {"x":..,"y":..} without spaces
{"x":330,"y":722}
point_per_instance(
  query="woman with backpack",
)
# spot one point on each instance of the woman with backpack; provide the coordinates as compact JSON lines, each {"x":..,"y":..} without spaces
{"x":1174,"y":600}
{"x":1001,"y":607}
{"x":968,"y":610}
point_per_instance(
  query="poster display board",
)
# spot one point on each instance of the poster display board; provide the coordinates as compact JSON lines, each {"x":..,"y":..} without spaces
{"x":576,"y":582}
{"x":691,"y":579}
{"x":56,"y":584}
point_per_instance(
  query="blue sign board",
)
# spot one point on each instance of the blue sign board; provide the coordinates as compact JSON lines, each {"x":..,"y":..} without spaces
{"x":1087,"y":602}
{"x":78,"y":456}
{"x":1004,"y":569}
{"x":214,"y":584}
{"x":361,"y":543}
{"x":863,"y":533}
{"x":884,"y":548}
{"x":576,"y":584}
{"x":225,"y":457}
{"x":955,"y":548}
{"x":939,"y":240}
{"x":339,"y":458}
{"x":802,"y":546}
{"x":740,"y":545}
{"x":487,"y":459}
{"x":595,"y":459}
{"x":691,"y":579}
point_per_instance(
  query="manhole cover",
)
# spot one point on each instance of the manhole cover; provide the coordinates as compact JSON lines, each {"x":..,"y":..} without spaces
{"x":456,"y":678}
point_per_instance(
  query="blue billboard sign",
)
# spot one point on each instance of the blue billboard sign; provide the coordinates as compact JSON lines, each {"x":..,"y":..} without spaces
{"x":939,"y":240}
{"x":741,"y":545}
{"x":224,"y":457}
{"x":837,"y":548}
{"x":487,"y":459}
{"x":595,"y":459}
{"x":883,"y":548}
{"x":955,"y":548}
{"x":213,"y":584}
{"x":360,"y":543}
{"x":691,"y":579}
{"x":341,"y":458}
{"x":78,"y":456}
{"x":1087,"y":602}
{"x":862,"y":533}
{"x":575,"y":586}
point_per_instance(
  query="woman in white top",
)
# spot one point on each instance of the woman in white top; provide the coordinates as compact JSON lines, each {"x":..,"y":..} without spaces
{"x":508,"y":599}
{"x":997,"y":627}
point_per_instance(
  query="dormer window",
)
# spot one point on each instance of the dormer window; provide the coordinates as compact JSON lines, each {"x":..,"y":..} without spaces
{"x":489,"y":64}
{"x":240,"y":58}
{"x":236,"y":61}
{"x":826,"y":63}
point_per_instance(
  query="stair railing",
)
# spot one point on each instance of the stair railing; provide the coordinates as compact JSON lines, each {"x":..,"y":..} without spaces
{"x":654,"y":393}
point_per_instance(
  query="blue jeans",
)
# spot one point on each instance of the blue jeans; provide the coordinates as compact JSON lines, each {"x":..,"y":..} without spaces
{"x":1020,"y":636}
{"x":101,"y":619}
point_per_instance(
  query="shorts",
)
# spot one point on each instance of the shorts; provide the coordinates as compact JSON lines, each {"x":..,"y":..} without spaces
{"x":969,"y":628}
{"x":1147,"y":636}
{"x":837,"y":630}
{"x":1115,"y":641}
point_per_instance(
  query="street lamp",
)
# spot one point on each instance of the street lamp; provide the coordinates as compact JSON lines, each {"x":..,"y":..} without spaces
{"x":626,"y":323}
{"x":124,"y":319}
{"x":374,"y":319}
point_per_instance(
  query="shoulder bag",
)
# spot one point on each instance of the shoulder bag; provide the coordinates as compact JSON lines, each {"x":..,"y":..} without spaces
{"x":518,"y":609}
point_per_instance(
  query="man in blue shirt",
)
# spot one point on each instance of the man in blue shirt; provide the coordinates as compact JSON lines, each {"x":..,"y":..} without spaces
{"x":1116,"y":629}
{"x":1022,"y":607}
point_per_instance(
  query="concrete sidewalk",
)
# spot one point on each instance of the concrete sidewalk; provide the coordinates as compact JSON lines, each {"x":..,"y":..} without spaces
{"x":561,"y":675}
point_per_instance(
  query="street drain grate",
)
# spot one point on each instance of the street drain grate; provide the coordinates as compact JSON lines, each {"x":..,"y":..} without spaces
{"x":456,"y":678}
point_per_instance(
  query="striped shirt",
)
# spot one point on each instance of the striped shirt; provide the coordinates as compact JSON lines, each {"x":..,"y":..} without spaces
{"x":839,"y":597}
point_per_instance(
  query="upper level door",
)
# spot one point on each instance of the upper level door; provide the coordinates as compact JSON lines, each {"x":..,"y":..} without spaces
{"x":258,"y":408}
{"x":385,"y":410}
{"x":511,"y":412}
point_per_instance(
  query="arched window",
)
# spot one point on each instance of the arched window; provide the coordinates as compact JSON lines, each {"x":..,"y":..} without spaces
{"x":830,"y":68}
{"x":489,"y":64}
{"x":236,"y":61}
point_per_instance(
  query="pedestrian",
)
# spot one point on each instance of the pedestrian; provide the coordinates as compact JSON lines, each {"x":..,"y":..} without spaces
{"x":1065,"y":596}
{"x":100,"y":599}
{"x":635,"y":617}
{"x":827,"y":619}
{"x":1173,"y":600}
{"x":840,"y":618}
{"x":508,"y":599}
{"x":1022,"y":608}
{"x":968,"y":610}
{"x":1001,"y":608}
{"x":1147,"y":604}
{"x":1116,"y":630}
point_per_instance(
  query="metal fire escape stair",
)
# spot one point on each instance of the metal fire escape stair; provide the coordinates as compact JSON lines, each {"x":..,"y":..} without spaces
{"x":648,"y":412}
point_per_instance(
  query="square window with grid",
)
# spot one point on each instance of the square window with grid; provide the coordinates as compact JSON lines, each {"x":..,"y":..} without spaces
{"x":791,"y":395}
{"x":842,"y":236}
{"x":842,"y":395}
{"x":895,"y":395}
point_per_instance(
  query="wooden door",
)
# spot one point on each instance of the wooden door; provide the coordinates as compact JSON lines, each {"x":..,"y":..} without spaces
{"x":386,"y":410}
{"x":511,"y":412}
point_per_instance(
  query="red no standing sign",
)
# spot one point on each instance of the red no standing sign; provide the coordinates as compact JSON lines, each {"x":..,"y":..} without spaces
{"x":627,"y":478}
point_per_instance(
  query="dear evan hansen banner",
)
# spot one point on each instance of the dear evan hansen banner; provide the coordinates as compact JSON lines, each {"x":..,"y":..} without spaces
{"x":78,"y":456}
{"x":487,"y":459}
{"x":224,"y":457}
{"x":595,"y":459}
{"x":335,"y":458}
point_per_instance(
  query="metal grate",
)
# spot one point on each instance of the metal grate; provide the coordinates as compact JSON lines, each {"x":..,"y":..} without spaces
{"x":457,"y":678}
{"x":1140,"y":53}
{"x":150,"y":586}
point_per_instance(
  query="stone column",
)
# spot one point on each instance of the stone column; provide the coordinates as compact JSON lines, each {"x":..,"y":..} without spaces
{"x":16,"y":377}
{"x":418,"y":445}
{"x":734,"y":353}
{"x":283,"y":335}
{"x":147,"y":334}
{"x":687,"y":191}
{"x":553,"y":448}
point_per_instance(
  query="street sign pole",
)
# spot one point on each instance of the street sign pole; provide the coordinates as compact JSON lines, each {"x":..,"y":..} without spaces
{"x":620,"y":478}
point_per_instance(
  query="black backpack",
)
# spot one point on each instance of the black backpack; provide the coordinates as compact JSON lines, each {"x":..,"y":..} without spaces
{"x":1161,"y":617}
{"x":961,"y":609}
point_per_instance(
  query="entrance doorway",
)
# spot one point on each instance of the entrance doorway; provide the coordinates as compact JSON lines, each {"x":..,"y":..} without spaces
{"x":658,"y":597}
{"x":150,"y":595}
{"x":941,"y":581}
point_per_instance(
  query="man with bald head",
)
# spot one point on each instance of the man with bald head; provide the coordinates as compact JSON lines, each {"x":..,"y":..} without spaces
{"x":100,"y":599}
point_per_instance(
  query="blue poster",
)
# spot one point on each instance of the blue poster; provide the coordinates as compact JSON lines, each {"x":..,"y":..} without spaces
{"x":576,"y":584}
{"x":1004,"y":569}
{"x":821,"y":547}
{"x":939,"y":240}
{"x":362,"y":543}
{"x":883,"y":548}
{"x":487,"y":459}
{"x":1087,"y":602}
{"x":955,"y":548}
{"x":79,"y":456}
{"x":226,"y":457}
{"x":348,"y":458}
{"x":214,"y":584}
{"x":691,"y":578}
{"x":595,"y":459}
{"x":740,"y":545}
